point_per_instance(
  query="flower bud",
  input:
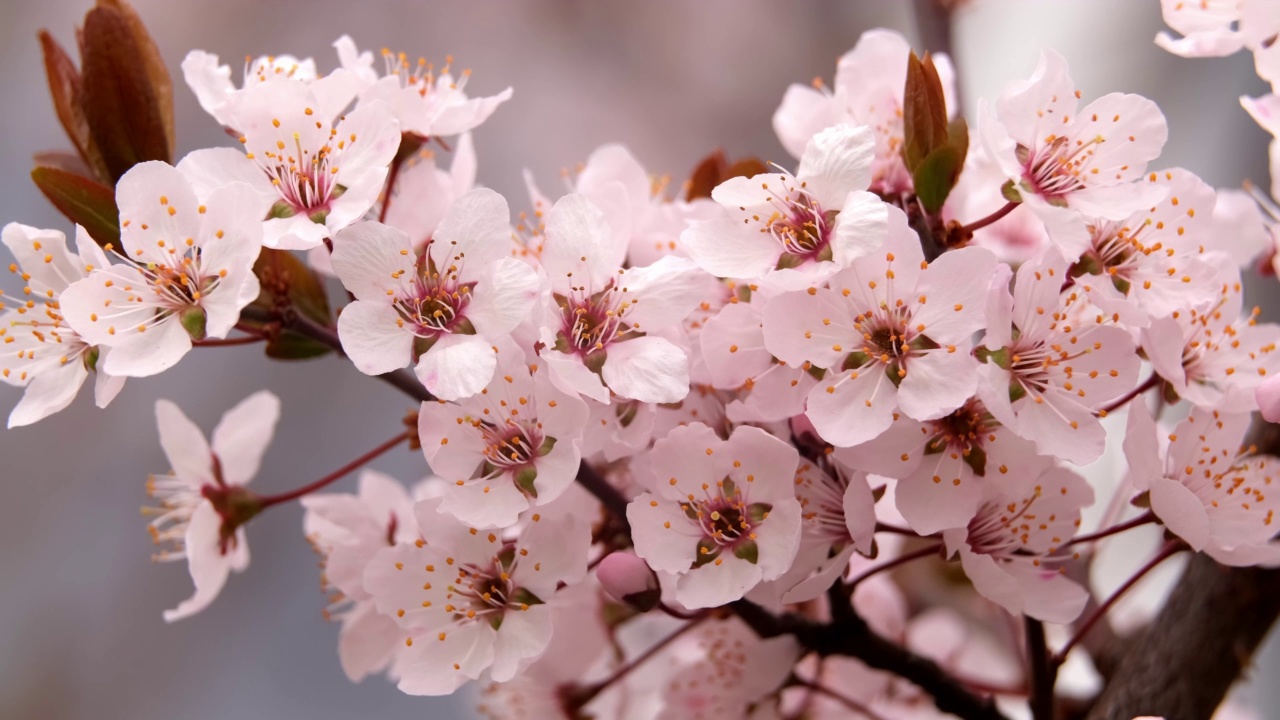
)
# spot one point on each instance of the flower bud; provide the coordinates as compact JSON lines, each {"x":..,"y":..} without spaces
{"x":629,"y":580}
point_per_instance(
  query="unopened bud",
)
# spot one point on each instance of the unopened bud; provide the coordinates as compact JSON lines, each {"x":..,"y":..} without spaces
{"x":629,"y":580}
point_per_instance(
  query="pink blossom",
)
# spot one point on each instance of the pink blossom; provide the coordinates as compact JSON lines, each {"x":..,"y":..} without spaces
{"x":187,"y":520}
{"x":1009,"y":548}
{"x":721,"y":516}
{"x":348,"y":531}
{"x":512,"y":445}
{"x":186,"y":271}
{"x":943,"y":465}
{"x":39,"y":350}
{"x":602,"y":328}
{"x":1205,"y":487}
{"x":218,"y":96}
{"x":425,"y":101}
{"x":1066,"y":161}
{"x":890,"y":331}
{"x":468,"y":601}
{"x":1051,"y":361}
{"x":444,"y":308}
{"x":1212,"y":353}
{"x":792,"y":230}
{"x":868,"y":89}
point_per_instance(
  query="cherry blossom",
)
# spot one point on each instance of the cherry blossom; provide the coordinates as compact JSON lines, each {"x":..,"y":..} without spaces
{"x":1151,"y":264}
{"x":468,"y":602}
{"x":891,"y":332}
{"x":795,"y":229}
{"x":1062,"y":158}
{"x":201,"y":502}
{"x":348,"y":531}
{"x":185,"y":274}
{"x":1009,"y":549}
{"x":601,"y":331}
{"x":867,"y":91}
{"x":1212,"y":353}
{"x":314,"y":173}
{"x":512,"y":445}
{"x":218,"y":96}
{"x":424,"y":101}
{"x":944,"y":464}
{"x":634,"y":204}
{"x":837,"y":518}
{"x":722,"y":515}
{"x":444,"y":308}
{"x":733,"y":674}
{"x":1214,"y":28}
{"x":39,"y":351}
{"x":1205,"y":486}
{"x":1050,"y":361}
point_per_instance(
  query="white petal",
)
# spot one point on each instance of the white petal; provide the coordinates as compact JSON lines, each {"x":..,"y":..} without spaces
{"x":50,"y":392}
{"x":504,"y":297}
{"x":243,"y":434}
{"x":369,"y":257}
{"x":836,"y":162}
{"x":373,"y":339}
{"x":649,"y":369}
{"x":208,"y":566}
{"x":457,"y":366}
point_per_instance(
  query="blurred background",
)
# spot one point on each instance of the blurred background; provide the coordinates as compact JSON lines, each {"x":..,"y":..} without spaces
{"x":80,"y":602}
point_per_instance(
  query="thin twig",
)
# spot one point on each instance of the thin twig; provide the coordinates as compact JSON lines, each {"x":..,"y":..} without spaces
{"x":1170,"y":549}
{"x":269,"y":500}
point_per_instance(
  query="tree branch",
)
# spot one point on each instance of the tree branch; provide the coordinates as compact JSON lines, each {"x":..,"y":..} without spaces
{"x":851,"y":636}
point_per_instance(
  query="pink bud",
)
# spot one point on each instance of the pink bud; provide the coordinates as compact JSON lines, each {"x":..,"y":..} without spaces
{"x":1268,"y":395}
{"x":629,"y":580}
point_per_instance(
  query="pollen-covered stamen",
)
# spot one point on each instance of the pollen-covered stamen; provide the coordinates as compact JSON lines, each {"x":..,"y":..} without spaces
{"x":963,"y":431}
{"x":486,"y":591}
{"x":510,"y":446}
{"x":821,"y":499}
{"x":797,"y":222}
{"x":727,"y":520}
{"x":303,"y":167}
{"x":421,"y":74}
{"x":591,"y":321}
{"x":1003,"y":531}
{"x":1058,"y":166}
{"x":268,"y":68}
{"x":433,"y":301}
{"x":175,"y":501}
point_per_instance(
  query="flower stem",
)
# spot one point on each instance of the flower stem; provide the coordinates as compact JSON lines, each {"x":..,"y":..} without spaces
{"x":269,"y":500}
{"x":983,"y":222}
{"x":1170,"y":549}
{"x":900,"y":560}
{"x":1143,"y":519}
{"x":576,"y":700}
{"x":1129,"y":396}
{"x":229,"y":342}
{"x":841,"y":698}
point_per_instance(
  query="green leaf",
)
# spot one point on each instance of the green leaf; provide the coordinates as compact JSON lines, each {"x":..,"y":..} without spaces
{"x":83,"y":201}
{"x":924,"y":112}
{"x":936,"y":175}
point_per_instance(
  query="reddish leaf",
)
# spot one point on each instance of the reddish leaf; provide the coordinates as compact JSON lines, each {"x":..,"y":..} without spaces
{"x":715,"y":169}
{"x":120,"y":102}
{"x":64,"y":86}
{"x":924,"y":112}
{"x":152,"y":62}
{"x":706,"y":176}
{"x":83,"y":201}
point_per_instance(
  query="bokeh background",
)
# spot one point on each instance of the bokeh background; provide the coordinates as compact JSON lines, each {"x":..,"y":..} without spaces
{"x":80,"y":602}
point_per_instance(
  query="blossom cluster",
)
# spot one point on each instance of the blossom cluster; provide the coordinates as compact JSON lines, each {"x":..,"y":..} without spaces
{"x":650,"y":415}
